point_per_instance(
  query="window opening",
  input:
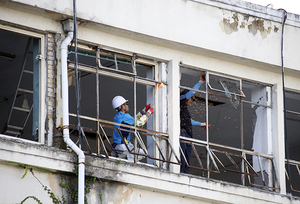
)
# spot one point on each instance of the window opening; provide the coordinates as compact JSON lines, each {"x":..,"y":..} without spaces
{"x":240,"y":134}
{"x":293,"y":121}
{"x":103,"y":75}
{"x":20,"y":85}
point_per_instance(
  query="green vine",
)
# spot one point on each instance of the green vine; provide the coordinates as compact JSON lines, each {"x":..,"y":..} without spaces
{"x":100,"y":195}
{"x":34,"y":198}
{"x":71,"y":187}
{"x":52,"y":196}
{"x":73,"y":190}
{"x":26,"y":170}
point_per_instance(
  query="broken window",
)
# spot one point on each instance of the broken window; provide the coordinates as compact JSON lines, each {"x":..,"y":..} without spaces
{"x":20,"y":88}
{"x":239,"y":140}
{"x":104,"y":74}
{"x":292,"y":100}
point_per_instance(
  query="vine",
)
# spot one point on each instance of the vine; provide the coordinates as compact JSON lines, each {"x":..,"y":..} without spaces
{"x":52,"y":196}
{"x":26,"y":170}
{"x":34,"y":198}
{"x":71,"y":187}
{"x":73,"y":190}
{"x":100,"y":196}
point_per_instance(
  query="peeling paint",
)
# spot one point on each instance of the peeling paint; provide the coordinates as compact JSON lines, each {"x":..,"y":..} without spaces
{"x":232,"y":21}
{"x":53,"y":183}
{"x":258,"y":25}
{"x":255,"y":26}
{"x":243,"y":25}
{"x":123,"y":196}
{"x":228,"y":27}
{"x":68,"y":11}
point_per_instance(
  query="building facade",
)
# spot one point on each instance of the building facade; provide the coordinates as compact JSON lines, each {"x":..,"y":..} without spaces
{"x":62,"y":63}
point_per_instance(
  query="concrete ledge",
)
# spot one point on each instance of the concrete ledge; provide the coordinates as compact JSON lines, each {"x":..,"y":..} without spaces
{"x":35,"y":154}
{"x":140,"y":176}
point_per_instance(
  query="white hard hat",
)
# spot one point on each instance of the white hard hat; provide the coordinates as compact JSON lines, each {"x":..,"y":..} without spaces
{"x":118,"y":101}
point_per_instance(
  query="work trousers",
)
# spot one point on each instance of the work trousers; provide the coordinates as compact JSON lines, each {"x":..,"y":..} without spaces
{"x":125,"y":152}
{"x":187,"y":150}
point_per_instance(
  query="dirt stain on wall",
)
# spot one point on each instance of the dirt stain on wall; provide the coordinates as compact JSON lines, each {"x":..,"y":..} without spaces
{"x":123,"y":196}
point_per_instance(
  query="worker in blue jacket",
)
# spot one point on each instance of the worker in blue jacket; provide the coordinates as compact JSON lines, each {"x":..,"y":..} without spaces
{"x":187,"y":123}
{"x":123,"y":117}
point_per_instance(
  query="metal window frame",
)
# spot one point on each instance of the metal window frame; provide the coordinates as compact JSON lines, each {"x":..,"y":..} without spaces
{"x":240,"y":89}
{"x":294,"y":163}
{"x":246,"y":168}
{"x":297,"y":165}
{"x":132,"y":77}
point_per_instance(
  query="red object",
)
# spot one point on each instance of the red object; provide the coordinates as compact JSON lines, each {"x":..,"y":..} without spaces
{"x":202,"y":77}
{"x":147,"y":107}
{"x":206,"y":126}
{"x":151,"y":110}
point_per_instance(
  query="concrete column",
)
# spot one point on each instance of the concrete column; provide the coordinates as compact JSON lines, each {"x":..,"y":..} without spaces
{"x":278,"y":127}
{"x":162,"y":101}
{"x":51,"y":91}
{"x":174,"y":110}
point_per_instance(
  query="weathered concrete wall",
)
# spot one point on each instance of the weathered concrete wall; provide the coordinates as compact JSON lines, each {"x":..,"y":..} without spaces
{"x":243,"y":42}
{"x":17,"y":186}
{"x":122,"y":182}
{"x":236,"y":28}
{"x":14,"y":188}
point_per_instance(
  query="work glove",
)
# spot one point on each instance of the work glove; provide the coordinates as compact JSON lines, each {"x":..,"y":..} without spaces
{"x":202,"y":78}
{"x":204,"y":125}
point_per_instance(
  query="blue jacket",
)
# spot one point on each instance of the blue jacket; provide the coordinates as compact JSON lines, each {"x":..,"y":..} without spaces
{"x":123,"y":118}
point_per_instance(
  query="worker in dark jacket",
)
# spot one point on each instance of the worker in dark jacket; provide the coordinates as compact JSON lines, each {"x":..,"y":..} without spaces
{"x":186,"y":123}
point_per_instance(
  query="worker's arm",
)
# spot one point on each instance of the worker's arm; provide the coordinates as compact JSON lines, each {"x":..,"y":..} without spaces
{"x":197,"y":123}
{"x":197,"y":86}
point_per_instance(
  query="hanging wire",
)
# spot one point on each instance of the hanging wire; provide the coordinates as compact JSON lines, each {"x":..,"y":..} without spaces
{"x":77,"y":88}
{"x":284,"y":105}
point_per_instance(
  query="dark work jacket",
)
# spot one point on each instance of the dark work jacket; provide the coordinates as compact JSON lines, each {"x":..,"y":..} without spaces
{"x":185,"y":117}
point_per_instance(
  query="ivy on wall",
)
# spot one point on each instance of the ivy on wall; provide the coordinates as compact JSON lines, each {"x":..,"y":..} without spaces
{"x":72,"y":188}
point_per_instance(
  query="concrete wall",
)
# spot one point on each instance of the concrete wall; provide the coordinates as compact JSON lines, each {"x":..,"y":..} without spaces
{"x":120,"y":182}
{"x":230,"y":37}
{"x":236,"y":28}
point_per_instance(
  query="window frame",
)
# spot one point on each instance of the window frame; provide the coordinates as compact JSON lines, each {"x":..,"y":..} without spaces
{"x":215,"y":147}
{"x":159,"y":83}
{"x":42,"y":76}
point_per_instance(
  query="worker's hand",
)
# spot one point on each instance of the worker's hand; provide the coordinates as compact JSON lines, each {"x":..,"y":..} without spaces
{"x":147,"y":108}
{"x":202,"y":78}
{"x":150,"y":111}
{"x":204,"y":125}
